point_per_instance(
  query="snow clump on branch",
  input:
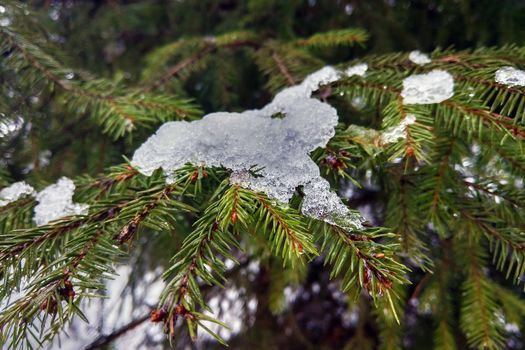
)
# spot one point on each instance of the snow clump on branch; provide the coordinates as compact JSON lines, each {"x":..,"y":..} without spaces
{"x":279,"y":147}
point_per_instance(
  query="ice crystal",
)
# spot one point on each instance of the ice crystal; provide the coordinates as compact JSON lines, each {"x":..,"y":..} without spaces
{"x":14,"y":192}
{"x":322,"y":204}
{"x":397,"y":132}
{"x":419,"y":58}
{"x":358,"y":69}
{"x":510,"y":76}
{"x":277,"y":147}
{"x":56,"y":201}
{"x":433,"y":87}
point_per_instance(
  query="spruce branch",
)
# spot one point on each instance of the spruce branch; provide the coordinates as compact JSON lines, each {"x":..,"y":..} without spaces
{"x":364,"y":263}
{"x":118,"y":110}
{"x":344,"y":37}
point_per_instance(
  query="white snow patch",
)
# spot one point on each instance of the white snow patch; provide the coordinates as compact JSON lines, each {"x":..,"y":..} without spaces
{"x":419,"y":58}
{"x":358,"y":69}
{"x":56,"y":201}
{"x":433,"y":87}
{"x":14,"y":192}
{"x":397,"y":132}
{"x":279,"y":147}
{"x":510,"y":76}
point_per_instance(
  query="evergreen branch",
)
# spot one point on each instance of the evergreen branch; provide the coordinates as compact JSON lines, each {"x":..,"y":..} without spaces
{"x":284,"y":64}
{"x":479,"y":309}
{"x":282,"y":68}
{"x":118,"y":110}
{"x":175,"y":69}
{"x":197,"y":259}
{"x":494,"y":121}
{"x":285,"y":230}
{"x":403,"y":218}
{"x":501,"y":241}
{"x":200,"y":49}
{"x":344,"y":37}
{"x":362,"y":262}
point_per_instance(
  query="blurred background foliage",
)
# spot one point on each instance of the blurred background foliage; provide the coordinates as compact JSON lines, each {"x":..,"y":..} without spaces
{"x":112,"y":39}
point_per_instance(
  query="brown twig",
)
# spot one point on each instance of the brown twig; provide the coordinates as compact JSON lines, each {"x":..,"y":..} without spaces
{"x":282,"y":68}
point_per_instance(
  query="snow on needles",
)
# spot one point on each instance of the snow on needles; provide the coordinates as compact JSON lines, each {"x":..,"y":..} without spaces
{"x":358,"y":69}
{"x":433,"y":87}
{"x":14,"y":192}
{"x":56,"y":201}
{"x":510,"y":76}
{"x":279,"y":147}
{"x":419,"y":58}
{"x":394,"y":133}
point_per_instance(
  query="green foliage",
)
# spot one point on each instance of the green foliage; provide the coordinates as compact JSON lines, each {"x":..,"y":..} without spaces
{"x":450,"y":191}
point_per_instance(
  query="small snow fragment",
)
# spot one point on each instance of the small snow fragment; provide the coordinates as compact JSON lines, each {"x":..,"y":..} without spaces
{"x":510,"y":76}
{"x":397,"y":132}
{"x":279,"y":147}
{"x":433,"y":87}
{"x":419,"y":58}
{"x":323,"y":76}
{"x":311,"y":83}
{"x":358,"y":69}
{"x":14,"y":192}
{"x":322,"y":204}
{"x":56,"y":201}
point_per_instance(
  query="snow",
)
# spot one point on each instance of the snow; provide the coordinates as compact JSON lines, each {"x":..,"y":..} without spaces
{"x":419,"y":58}
{"x":56,"y":201}
{"x":277,"y":147}
{"x":397,"y":132}
{"x":14,"y":192}
{"x":510,"y":76}
{"x":322,"y":204}
{"x":433,"y":87}
{"x":358,"y":69}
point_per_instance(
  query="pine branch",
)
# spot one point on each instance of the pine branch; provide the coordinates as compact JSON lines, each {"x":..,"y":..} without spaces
{"x":285,"y":230}
{"x":363,"y":263}
{"x":345,"y":37}
{"x":479,"y":314}
{"x":118,"y":110}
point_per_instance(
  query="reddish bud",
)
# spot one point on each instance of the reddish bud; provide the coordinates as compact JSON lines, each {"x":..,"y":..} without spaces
{"x":49,"y":306}
{"x":158,"y":315}
{"x":180,"y":310}
{"x":67,"y":291}
{"x":234,"y":217}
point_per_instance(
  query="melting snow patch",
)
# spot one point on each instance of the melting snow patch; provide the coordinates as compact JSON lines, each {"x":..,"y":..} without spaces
{"x":14,"y":192}
{"x":397,"y":132}
{"x":510,"y":76}
{"x":279,"y":147}
{"x":56,"y":201}
{"x":433,"y":87}
{"x":419,"y":58}
{"x":358,"y":69}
